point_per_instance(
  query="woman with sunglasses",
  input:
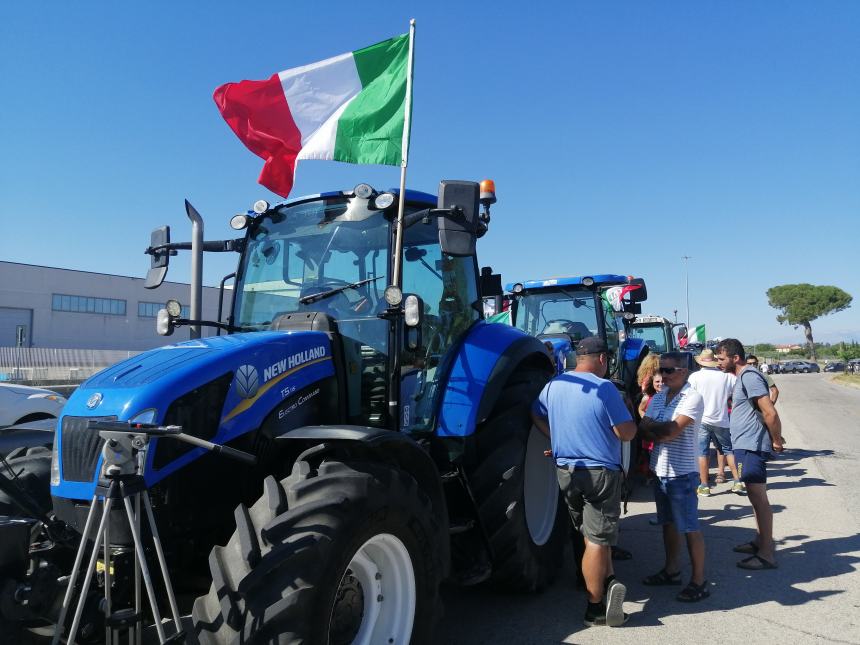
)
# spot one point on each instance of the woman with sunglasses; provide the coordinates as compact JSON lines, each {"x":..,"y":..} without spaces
{"x":672,"y":421}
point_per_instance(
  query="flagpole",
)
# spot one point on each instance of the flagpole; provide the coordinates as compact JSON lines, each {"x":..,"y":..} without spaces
{"x":398,"y":243}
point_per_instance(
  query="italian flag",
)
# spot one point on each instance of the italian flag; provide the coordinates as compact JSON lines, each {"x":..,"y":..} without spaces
{"x":696,"y":335}
{"x":348,"y":108}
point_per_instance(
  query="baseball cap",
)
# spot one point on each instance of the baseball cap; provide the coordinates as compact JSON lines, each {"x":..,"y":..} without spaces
{"x":591,"y":345}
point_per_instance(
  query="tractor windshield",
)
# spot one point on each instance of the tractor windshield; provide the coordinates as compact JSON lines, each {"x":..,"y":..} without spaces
{"x":317,"y":248}
{"x":565,"y":311}
{"x":653,"y":335}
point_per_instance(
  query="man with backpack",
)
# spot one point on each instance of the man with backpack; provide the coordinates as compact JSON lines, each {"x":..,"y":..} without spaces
{"x":756,"y":433}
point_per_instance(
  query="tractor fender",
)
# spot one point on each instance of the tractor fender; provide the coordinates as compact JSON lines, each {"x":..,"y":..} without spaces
{"x":484,"y":362}
{"x":387,"y":446}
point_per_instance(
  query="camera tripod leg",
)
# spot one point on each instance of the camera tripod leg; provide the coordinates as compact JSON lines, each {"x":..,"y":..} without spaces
{"x":76,"y":568}
{"x":162,"y":563}
{"x":91,"y":567}
{"x":141,"y":556}
{"x":109,"y":632}
{"x":138,"y":593}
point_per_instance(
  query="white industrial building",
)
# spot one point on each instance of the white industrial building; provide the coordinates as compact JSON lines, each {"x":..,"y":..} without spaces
{"x":48,"y":307}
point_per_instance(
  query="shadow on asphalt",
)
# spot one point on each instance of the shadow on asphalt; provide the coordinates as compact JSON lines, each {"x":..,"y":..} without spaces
{"x":557,"y":614}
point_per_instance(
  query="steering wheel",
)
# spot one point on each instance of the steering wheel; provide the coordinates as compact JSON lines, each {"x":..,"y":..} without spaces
{"x":564,"y":323}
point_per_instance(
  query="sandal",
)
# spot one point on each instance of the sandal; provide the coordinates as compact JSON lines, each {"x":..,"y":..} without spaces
{"x":750,"y":548}
{"x":756,"y":563}
{"x":662,"y":578}
{"x":621,"y":554}
{"x":693,"y":592}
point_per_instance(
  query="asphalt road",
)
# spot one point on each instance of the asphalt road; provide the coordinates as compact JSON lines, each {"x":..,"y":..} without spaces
{"x":814,"y":596}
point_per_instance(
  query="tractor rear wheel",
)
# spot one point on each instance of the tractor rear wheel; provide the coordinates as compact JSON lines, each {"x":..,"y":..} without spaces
{"x":342,"y":554}
{"x":517,"y":492}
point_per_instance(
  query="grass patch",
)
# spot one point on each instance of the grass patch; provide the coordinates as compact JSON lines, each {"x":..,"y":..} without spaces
{"x":848,"y":379}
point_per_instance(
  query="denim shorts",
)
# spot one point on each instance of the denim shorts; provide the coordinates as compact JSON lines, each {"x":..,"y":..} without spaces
{"x":752,"y":466}
{"x":677,"y":502}
{"x":720,"y":436}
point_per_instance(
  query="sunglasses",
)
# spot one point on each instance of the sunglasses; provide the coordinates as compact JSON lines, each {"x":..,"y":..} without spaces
{"x":670,"y":370}
{"x":752,"y":363}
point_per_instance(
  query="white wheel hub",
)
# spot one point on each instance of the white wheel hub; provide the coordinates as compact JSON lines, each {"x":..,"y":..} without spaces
{"x":383,"y":569}
{"x":540,"y":488}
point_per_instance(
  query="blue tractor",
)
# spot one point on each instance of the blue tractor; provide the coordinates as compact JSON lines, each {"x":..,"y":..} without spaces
{"x":562,"y":311}
{"x":388,"y":422}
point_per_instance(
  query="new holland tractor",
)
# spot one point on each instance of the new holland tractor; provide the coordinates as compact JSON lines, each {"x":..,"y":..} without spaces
{"x":562,"y":311}
{"x":385,"y":427}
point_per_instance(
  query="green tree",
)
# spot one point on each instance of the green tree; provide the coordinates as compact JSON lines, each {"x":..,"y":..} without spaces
{"x":800,"y":304}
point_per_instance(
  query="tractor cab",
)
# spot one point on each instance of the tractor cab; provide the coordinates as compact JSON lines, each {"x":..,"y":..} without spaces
{"x":657,"y":332}
{"x":563,"y":311}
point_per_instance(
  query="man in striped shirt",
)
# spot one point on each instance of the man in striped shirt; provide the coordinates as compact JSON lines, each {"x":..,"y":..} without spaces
{"x":671,"y":421}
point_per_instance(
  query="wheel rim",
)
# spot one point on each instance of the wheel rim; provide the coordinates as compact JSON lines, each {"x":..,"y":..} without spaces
{"x":375,"y":601}
{"x":540,"y":488}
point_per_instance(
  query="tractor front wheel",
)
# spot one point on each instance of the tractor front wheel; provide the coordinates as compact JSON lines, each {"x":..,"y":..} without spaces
{"x":342,"y":554}
{"x":517,"y":492}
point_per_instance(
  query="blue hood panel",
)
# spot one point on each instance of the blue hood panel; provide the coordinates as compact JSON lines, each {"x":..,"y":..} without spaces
{"x":265,"y":368}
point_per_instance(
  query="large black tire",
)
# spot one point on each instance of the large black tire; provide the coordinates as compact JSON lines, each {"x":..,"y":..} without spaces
{"x":498,"y":483}
{"x":33,"y":469}
{"x":281,"y":573}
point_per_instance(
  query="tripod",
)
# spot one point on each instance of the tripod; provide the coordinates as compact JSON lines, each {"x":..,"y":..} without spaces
{"x":122,"y":479}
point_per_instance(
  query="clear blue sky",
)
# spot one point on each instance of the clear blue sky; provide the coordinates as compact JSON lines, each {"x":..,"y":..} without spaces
{"x":621,"y":136}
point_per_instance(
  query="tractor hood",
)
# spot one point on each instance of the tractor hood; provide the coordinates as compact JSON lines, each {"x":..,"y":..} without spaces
{"x":239,"y":378}
{"x":258,"y":362}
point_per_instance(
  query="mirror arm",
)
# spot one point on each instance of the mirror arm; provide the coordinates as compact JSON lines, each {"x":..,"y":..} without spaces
{"x":455,"y":212}
{"x":215,"y":246}
{"x":179,"y":322}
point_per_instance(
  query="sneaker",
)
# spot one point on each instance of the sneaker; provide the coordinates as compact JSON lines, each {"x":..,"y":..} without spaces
{"x":615,"y":616}
{"x":703,"y":490}
{"x":599,"y":620}
{"x":739,"y":488}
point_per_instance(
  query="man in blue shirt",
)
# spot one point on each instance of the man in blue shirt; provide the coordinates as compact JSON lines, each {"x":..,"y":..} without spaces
{"x":756,"y":433}
{"x":586,"y":420}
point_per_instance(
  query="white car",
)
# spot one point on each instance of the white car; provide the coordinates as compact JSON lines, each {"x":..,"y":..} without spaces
{"x":20,"y":403}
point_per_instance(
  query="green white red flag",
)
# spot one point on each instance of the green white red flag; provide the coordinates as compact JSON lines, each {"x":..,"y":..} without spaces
{"x":696,"y":335}
{"x":347,"y":108}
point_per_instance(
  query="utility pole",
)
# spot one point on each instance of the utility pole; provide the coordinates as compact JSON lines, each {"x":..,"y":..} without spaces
{"x":685,"y":258}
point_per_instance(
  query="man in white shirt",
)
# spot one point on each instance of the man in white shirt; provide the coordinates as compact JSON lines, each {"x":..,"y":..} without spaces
{"x":716,"y":387}
{"x":671,"y":421}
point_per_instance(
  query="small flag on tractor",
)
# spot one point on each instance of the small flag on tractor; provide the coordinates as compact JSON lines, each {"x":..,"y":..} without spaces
{"x":696,"y":335}
{"x":348,"y":108}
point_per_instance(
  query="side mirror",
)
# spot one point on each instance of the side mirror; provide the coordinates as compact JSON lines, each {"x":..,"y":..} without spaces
{"x":413,"y":314}
{"x":682,"y":331}
{"x":640,"y":294}
{"x":458,"y":231}
{"x":631,"y":308}
{"x":160,"y":258}
{"x":491,"y":283}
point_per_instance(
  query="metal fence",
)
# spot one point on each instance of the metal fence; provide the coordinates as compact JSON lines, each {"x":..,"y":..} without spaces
{"x":53,"y":365}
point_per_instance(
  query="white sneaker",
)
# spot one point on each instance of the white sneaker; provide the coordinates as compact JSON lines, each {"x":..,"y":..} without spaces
{"x":615,"y":616}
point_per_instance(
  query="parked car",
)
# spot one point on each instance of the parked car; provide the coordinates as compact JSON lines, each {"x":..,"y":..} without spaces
{"x":853,"y":366}
{"x":803,"y":367}
{"x":22,"y":403}
{"x":835,"y":366}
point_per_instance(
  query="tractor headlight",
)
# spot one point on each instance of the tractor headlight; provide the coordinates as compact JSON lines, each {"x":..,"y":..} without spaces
{"x":383,"y":201}
{"x":239,"y":222}
{"x":55,"y":458}
{"x":588,"y":281}
{"x":517,"y":288}
{"x":148,"y":416}
{"x":364,"y":191}
{"x":393,"y":295}
{"x":412,"y":310}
